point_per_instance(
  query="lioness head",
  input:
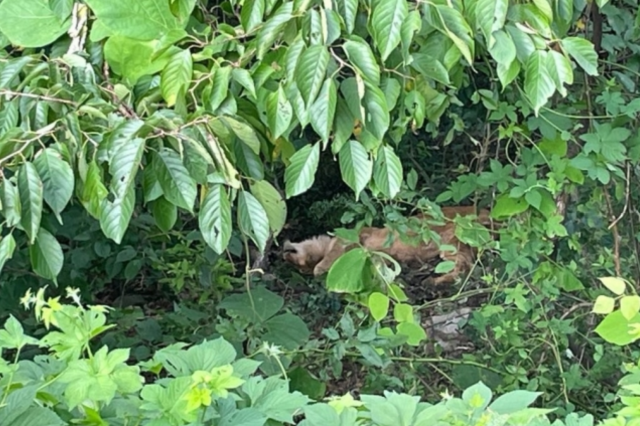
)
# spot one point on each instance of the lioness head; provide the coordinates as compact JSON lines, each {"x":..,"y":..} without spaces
{"x":305,"y":255}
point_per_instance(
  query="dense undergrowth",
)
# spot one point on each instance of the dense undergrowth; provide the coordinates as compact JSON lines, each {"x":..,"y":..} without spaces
{"x":155,"y":155}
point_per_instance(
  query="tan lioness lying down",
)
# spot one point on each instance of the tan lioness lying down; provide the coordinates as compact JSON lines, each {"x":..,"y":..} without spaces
{"x":317,"y":254}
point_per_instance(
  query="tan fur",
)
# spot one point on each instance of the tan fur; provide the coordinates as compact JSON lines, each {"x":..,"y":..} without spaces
{"x":316,"y":255}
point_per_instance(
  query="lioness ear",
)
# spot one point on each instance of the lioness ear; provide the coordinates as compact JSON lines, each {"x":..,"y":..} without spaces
{"x":288,"y":247}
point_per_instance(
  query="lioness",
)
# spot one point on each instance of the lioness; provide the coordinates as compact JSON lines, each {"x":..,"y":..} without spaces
{"x":317,"y":254}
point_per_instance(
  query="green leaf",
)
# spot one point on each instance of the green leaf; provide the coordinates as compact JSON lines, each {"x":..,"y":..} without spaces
{"x":403,"y":313}
{"x":31,"y":23}
{"x":582,"y":51}
{"x":252,"y":14}
{"x":165,"y":214}
{"x":279,"y":112}
{"x":603,"y":305}
{"x":300,"y":173}
{"x":115,"y":215}
{"x":348,"y":10}
{"x":12,"y":69}
{"x":346,"y":274}
{"x":323,"y":110}
{"x":132,"y":58}
{"x":414,"y":332}
{"x":177,"y":185}
{"x":219,"y":87}
{"x":378,"y":306}
{"x":247,"y":160}
{"x":10,"y":200}
{"x":257,"y":306}
{"x":253,"y":220}
{"x":506,"y":207}
{"x":538,"y":84}
{"x":615,"y":285}
{"x":7,"y":247}
{"x":375,"y":105}
{"x":286,"y":330}
{"x":272,"y":28}
{"x":387,"y":172}
{"x":386,"y":21}
{"x":57,"y":180}
{"x":356,"y":166}
{"x":616,"y":329}
{"x":507,"y":74}
{"x":30,"y":189}
{"x":149,"y":20}
{"x":430,"y":67}
{"x":451,"y":23}
{"x":362,"y":58}
{"x":124,"y":166}
{"x":46,"y":255}
{"x":513,"y":401}
{"x":311,"y":71}
{"x":560,"y":71}
{"x":504,"y":49}
{"x":176,"y":76}
{"x":629,"y":306}
{"x":244,"y":79}
{"x":273,"y":204}
{"x":244,"y":132}
{"x":491,"y":16}
{"x":93,"y":191}
{"x":524,"y":44}
{"x":214,"y":219}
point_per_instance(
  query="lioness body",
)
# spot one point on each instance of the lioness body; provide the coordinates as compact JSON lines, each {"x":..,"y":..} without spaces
{"x":316,"y":255}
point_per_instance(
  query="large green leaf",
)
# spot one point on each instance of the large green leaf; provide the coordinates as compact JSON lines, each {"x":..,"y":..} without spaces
{"x":560,"y":70}
{"x":273,"y":204}
{"x":362,"y":58}
{"x":301,"y":172}
{"x":115,"y":215}
{"x":582,"y":51}
{"x":30,"y":189}
{"x":244,"y":132}
{"x":248,"y":161}
{"x":279,"y":112}
{"x":46,"y":255}
{"x":93,"y":191}
{"x":165,"y":214}
{"x":253,"y":219}
{"x":491,"y":16}
{"x":10,"y":200}
{"x":176,"y":76}
{"x":57,"y":180}
{"x":323,"y":110}
{"x":177,"y":185}
{"x":141,"y":20}
{"x":311,"y":72}
{"x":377,"y":111}
{"x":386,"y":21}
{"x":538,"y":84}
{"x":450,"y":22}
{"x":214,"y":219}
{"x":272,"y":28}
{"x":7,"y":247}
{"x":430,"y":67}
{"x":124,"y":166}
{"x":356,"y":166}
{"x":504,"y":49}
{"x":133,"y":58}
{"x":251,"y":14}
{"x":346,"y":274}
{"x":387,"y":172}
{"x":31,"y":23}
{"x":343,"y":125}
{"x":219,"y":87}
{"x":348,"y":10}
